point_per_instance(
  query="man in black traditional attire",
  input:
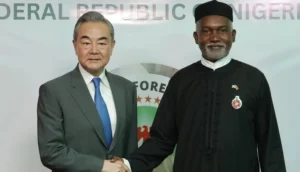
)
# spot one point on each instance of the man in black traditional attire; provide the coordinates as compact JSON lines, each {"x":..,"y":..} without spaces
{"x":219,"y":111}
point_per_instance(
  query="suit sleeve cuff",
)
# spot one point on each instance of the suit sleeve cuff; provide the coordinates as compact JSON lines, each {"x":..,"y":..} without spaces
{"x":126,"y":162}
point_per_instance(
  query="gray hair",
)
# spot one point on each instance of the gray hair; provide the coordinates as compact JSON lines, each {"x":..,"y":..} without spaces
{"x":93,"y":16}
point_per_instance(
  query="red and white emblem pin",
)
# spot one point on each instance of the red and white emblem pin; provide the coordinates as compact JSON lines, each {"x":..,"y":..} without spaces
{"x":236,"y":102}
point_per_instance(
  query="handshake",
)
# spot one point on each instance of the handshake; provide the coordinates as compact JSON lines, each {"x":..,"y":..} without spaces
{"x":116,"y":164}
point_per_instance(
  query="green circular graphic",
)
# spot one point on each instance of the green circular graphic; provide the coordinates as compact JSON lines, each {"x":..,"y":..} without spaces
{"x":151,"y":79}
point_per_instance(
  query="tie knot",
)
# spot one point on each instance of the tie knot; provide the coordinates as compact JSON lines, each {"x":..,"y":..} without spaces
{"x":96,"y":82}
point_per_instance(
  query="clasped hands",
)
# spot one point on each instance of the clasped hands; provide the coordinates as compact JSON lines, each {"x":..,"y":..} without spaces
{"x":116,"y":164}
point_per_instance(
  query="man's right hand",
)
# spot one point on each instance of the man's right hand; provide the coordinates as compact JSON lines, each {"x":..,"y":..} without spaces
{"x":113,"y":167}
{"x":119,"y":160}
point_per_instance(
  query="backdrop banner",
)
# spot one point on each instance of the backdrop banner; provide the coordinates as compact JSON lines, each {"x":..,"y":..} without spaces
{"x":154,"y":39}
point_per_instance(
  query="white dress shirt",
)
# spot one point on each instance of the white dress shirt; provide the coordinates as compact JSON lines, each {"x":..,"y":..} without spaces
{"x":106,"y":93}
{"x":215,"y":65}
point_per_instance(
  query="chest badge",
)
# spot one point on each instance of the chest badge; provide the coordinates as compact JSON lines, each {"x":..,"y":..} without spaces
{"x":236,"y":102}
{"x":235,"y":87}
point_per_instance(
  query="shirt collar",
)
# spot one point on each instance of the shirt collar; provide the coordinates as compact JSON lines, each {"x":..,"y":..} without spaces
{"x":215,"y":65}
{"x":88,"y":77}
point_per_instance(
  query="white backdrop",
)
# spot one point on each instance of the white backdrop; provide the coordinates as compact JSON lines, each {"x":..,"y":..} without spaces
{"x":34,"y":50}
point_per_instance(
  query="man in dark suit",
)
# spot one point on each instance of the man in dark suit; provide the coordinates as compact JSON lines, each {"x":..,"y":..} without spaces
{"x":88,"y":115}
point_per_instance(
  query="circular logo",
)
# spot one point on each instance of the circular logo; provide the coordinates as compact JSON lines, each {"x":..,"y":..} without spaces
{"x":151,"y":80}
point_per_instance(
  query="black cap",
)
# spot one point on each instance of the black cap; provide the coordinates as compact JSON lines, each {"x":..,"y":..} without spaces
{"x":213,"y":8}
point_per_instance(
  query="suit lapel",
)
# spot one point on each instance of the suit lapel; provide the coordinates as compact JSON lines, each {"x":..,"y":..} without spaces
{"x":119,"y":100}
{"x":81,"y":95}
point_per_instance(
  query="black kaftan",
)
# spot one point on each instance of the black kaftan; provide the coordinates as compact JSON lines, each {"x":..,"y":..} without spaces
{"x":218,"y":119}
